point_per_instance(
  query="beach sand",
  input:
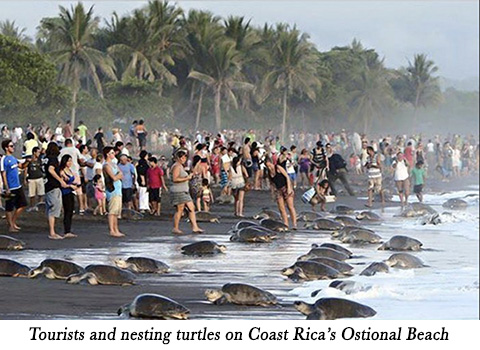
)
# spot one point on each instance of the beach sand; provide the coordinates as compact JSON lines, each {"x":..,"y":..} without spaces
{"x":257,"y":264}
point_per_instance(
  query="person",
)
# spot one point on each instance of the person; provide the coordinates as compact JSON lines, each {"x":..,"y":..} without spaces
{"x":28,"y":145}
{"x":337,"y":171}
{"x":180,"y":194}
{"x":304,"y":168}
{"x":418,"y":174}
{"x":319,"y":161}
{"x":225,"y":168}
{"x":68,"y":198}
{"x":401,"y":176}
{"x":15,"y":202}
{"x":373,"y":165}
{"x":82,"y":131}
{"x":77,"y":161}
{"x":238,"y":179}
{"x":142,"y":167}
{"x":53,"y":193}
{"x":99,"y":195}
{"x":113,"y":185}
{"x":321,"y":192}
{"x":36,"y":186}
{"x":100,"y":139}
{"x":215,"y":164}
{"x":141,"y":133}
{"x":207,"y":195}
{"x":67,"y":130}
{"x":195,"y":183}
{"x":155,"y":184}
{"x":128,"y":171}
{"x":283,"y":190}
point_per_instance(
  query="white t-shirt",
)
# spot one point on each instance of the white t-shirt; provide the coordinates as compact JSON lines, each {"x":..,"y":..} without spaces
{"x":75,"y":154}
{"x":401,"y":170}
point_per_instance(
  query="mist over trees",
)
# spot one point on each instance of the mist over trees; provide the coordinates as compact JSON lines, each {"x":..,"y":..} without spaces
{"x":194,"y":69}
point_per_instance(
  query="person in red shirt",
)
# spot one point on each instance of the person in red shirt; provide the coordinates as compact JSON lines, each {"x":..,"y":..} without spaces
{"x":155,"y":183}
{"x":409,"y":151}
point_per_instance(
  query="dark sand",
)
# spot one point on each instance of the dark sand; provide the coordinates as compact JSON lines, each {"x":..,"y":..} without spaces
{"x":257,"y":264}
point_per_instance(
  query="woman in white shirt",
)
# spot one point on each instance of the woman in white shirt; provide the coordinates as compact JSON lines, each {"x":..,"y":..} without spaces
{"x":401,"y":175}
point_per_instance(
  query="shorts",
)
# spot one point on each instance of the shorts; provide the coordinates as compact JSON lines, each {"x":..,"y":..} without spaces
{"x":283,"y":193}
{"x":36,"y":187}
{"x":402,"y":185}
{"x":375,"y":184}
{"x":53,"y":203}
{"x":292,"y":176}
{"x":223,"y":179}
{"x":154,"y":194}
{"x":417,"y":189}
{"x":115,"y":206}
{"x":16,"y":201}
{"x":90,"y":189}
{"x":127,"y":195}
{"x":180,"y":198}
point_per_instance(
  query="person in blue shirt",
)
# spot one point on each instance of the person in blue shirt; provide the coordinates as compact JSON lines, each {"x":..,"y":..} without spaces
{"x":128,"y":171}
{"x":15,"y":197}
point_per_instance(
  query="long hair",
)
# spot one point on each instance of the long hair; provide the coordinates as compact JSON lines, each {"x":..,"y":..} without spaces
{"x":52,"y":150}
{"x":235,"y":161}
{"x":64,"y":161}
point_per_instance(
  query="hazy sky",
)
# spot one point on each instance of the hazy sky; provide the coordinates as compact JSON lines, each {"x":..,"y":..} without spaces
{"x":447,"y":31}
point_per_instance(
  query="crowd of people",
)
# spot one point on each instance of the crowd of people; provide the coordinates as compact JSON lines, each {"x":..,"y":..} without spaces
{"x":104,"y":172}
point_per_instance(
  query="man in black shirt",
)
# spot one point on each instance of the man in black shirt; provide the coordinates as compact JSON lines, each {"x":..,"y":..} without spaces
{"x":337,"y":171}
{"x":36,"y":186}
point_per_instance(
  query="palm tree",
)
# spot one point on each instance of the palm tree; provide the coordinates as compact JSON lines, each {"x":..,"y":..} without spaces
{"x":70,"y":39}
{"x":292,"y":68}
{"x":423,"y":85}
{"x":371,"y":96}
{"x":203,"y":32}
{"x":225,"y":77}
{"x":9,"y":29}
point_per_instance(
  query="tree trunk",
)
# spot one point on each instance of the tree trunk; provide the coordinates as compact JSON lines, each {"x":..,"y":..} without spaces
{"x":76,"y":88}
{"x":415,"y":108}
{"x":285,"y":109}
{"x":199,"y":108}
{"x":218,"y":115}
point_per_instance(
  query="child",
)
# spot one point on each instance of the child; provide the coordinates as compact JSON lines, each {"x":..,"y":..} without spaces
{"x":99,"y":195}
{"x":207,"y":195}
{"x":418,"y":173}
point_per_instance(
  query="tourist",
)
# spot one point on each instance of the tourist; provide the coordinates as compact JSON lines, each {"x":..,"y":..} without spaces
{"x":113,"y":186}
{"x":36,"y":185}
{"x":238,"y":177}
{"x":373,"y":165}
{"x":72,"y":182}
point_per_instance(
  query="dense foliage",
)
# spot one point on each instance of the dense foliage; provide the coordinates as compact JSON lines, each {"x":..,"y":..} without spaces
{"x":197,"y":70}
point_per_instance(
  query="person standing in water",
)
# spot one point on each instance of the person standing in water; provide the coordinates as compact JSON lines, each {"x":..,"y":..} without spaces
{"x":418,"y":174}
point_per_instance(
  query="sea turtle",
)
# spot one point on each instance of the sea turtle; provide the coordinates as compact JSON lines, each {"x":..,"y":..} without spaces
{"x":324,"y":252}
{"x":274,"y":225}
{"x":56,"y":269}
{"x":348,"y":287}
{"x":142,"y":265}
{"x":333,"y":308}
{"x":205,"y":216}
{"x":155,"y":306}
{"x":404,"y":261}
{"x":253,"y":235}
{"x":311,"y":270}
{"x":455,"y":203}
{"x":341,"y":266}
{"x":324,"y":224}
{"x":103,"y":274}
{"x":240,"y":294}
{"x":203,"y":248}
{"x":334,"y":247}
{"x":400,"y":243}
{"x":308,"y":216}
{"x":347,"y":221}
{"x":339,"y":234}
{"x":416,"y":210}
{"x":10,"y":243}
{"x":361,"y":237}
{"x":11,"y":268}
{"x":368,"y":216}
{"x":373,"y":268}
{"x":344,"y":210}
{"x":241,"y":224}
{"x":225,"y":199}
{"x":130,"y":214}
{"x":266,"y":213}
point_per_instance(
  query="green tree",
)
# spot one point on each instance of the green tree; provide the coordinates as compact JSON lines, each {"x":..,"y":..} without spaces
{"x":292,"y":68}
{"x":70,"y":39}
{"x":9,"y":29}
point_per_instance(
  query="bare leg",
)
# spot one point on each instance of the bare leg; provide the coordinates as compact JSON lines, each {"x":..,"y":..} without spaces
{"x":283,"y":211}
{"x":293,"y":214}
{"x":193,"y":218}
{"x":176,"y":218}
{"x":15,"y":217}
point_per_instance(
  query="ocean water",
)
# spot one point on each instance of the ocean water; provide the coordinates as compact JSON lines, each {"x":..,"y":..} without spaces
{"x":447,"y":289}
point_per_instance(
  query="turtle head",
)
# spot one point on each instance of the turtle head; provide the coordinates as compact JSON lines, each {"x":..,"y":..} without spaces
{"x":222,"y":248}
{"x":304,"y":257}
{"x":288,"y":271}
{"x":121,"y":263}
{"x":34,"y":272}
{"x":213,"y":294}
{"x":123,"y":310}
{"x":303,"y":307}
{"x":74,"y":279}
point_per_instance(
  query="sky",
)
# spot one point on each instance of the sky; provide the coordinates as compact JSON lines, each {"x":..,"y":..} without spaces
{"x":447,"y":31}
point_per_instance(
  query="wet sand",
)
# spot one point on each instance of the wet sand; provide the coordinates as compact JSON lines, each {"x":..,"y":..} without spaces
{"x":257,"y":264}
